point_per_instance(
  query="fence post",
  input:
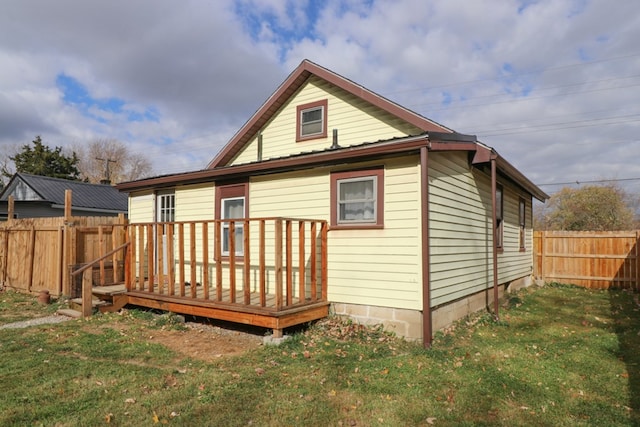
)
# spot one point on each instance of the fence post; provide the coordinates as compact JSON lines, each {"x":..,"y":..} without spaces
{"x":87,"y":285}
{"x":68,"y":244}
{"x":32,"y":255}
{"x":637,"y":259}
{"x":543,"y":243}
{"x":10,"y":210}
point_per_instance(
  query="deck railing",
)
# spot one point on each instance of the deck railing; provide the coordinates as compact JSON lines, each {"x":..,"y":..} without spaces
{"x":267,"y":263}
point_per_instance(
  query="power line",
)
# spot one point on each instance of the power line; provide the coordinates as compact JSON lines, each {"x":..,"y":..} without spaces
{"x":532,"y":129}
{"x":540,"y":70}
{"x":596,"y":181}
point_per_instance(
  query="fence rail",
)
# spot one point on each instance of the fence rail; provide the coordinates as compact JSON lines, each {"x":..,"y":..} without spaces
{"x":598,"y":260}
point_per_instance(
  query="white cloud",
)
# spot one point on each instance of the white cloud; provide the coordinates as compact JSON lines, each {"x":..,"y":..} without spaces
{"x":481,"y":67}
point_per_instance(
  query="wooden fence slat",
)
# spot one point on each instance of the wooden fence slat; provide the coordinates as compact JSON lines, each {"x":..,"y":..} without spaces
{"x":597,"y":260}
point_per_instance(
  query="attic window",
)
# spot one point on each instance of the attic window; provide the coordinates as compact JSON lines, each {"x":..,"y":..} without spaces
{"x":311,"y":120}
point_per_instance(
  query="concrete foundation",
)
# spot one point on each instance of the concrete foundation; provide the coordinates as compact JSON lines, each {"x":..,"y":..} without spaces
{"x":408,"y":323}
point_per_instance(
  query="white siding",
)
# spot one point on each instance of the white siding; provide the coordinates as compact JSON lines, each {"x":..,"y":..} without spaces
{"x":461,"y":231}
{"x":356,"y":120}
{"x":195,"y":202}
{"x":141,"y":206}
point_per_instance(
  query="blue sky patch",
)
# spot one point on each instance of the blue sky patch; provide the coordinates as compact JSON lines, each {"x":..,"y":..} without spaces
{"x":256,"y":19}
{"x":76,"y":94}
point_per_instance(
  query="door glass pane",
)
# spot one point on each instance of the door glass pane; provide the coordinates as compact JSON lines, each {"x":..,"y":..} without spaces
{"x":233,"y":208}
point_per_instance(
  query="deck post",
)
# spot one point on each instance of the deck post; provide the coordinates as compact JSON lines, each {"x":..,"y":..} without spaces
{"x":278,"y":262}
{"x":217,"y":254}
{"x":301,"y":262}
{"x":263,"y":281}
{"x":232,"y":261}
{"x":246,"y":271}
{"x":150,"y":260}
{"x":205,"y":259}
{"x":314,"y":261}
{"x":192,"y":261}
{"x":325,"y":261}
{"x":289,"y":250}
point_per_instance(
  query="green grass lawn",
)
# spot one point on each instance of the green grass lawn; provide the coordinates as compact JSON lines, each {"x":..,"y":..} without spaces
{"x":559,"y":356}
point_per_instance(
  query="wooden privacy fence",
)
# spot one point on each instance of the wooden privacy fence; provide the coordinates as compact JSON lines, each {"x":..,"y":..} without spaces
{"x":597,"y":260}
{"x":37,"y":254}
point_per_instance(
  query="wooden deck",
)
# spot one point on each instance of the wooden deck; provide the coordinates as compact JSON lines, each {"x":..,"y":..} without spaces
{"x":255,"y":314}
{"x":276,"y":278}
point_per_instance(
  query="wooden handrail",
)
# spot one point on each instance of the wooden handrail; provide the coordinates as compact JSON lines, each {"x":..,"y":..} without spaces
{"x":107,"y":255}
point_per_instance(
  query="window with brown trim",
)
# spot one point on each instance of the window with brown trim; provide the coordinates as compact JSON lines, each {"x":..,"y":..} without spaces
{"x":232,"y":202}
{"x":357,"y":199}
{"x":499,"y":232}
{"x":522,"y":212}
{"x":311,"y":120}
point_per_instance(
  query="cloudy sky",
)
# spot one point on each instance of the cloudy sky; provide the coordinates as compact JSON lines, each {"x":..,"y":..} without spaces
{"x":552,"y":85}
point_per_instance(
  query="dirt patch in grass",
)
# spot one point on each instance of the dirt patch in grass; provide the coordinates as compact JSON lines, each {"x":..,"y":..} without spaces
{"x":205,"y":343}
{"x":196,"y":340}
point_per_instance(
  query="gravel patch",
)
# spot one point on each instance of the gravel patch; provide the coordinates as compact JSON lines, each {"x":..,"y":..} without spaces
{"x":37,"y":321}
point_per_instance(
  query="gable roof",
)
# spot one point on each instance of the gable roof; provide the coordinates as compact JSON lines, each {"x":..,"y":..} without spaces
{"x":290,"y":86}
{"x":84,"y":195}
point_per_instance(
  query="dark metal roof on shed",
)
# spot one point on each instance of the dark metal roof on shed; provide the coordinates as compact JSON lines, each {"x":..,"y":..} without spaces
{"x":84,"y":195}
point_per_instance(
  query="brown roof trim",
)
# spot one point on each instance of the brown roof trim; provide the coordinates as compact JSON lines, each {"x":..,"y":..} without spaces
{"x":295,"y":80}
{"x":513,"y":173}
{"x":433,"y":141}
{"x":282,"y":164}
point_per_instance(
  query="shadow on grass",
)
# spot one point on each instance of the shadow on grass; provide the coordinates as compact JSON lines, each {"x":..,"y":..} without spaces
{"x":626,"y":312}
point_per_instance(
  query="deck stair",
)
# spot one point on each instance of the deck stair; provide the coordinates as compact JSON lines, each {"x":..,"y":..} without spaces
{"x":105,"y":299}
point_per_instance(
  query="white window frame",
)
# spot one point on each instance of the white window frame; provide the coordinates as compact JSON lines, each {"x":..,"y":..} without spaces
{"x":373,"y":200}
{"x":169,"y":209}
{"x":239,"y":226}
{"x":304,"y":123}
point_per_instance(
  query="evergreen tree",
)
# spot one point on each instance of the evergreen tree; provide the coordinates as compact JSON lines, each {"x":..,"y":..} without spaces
{"x":39,"y":159}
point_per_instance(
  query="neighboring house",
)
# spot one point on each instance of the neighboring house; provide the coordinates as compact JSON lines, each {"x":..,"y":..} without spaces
{"x":42,"y":196}
{"x":411,"y":204}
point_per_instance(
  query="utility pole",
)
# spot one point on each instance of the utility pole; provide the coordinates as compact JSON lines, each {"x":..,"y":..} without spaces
{"x":107,"y":175}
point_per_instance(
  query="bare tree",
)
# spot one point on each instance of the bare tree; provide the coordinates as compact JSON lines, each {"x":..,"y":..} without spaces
{"x":110,"y":159}
{"x":592,"y":207}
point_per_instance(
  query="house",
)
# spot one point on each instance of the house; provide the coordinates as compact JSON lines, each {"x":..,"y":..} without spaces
{"x":42,"y":196}
{"x":411,"y":209}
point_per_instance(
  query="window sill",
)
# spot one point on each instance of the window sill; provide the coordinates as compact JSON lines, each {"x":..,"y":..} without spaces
{"x":311,"y":137}
{"x":356,"y":227}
